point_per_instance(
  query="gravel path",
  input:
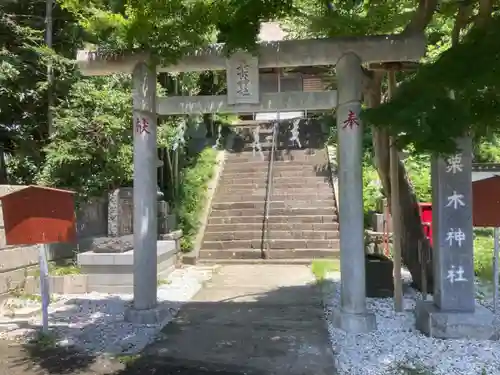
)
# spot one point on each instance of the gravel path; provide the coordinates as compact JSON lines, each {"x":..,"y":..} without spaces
{"x":396,"y":347}
{"x":95,"y":322}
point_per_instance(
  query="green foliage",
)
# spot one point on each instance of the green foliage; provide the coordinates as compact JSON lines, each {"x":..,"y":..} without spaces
{"x":91,"y":149}
{"x":424,"y":113}
{"x":192,"y":195}
{"x":171,"y":29}
{"x":418,"y":169}
{"x":483,"y":253}
{"x":23,"y":81}
{"x":487,"y":149}
{"x":348,"y":18}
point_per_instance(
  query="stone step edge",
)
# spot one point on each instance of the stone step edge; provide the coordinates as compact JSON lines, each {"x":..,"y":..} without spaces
{"x":332,"y":204}
{"x":304,"y":261}
{"x":333,"y":250}
{"x":271,"y":241}
{"x":274,"y":216}
{"x":275,"y":232}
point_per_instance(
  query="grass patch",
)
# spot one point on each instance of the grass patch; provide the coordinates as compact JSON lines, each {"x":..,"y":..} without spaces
{"x":321,"y":267}
{"x":163,"y":282}
{"x":20,"y":294}
{"x":483,"y":253}
{"x":60,"y":269}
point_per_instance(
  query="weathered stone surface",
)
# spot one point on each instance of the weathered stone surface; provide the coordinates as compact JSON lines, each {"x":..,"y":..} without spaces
{"x":434,"y":322}
{"x":112,"y":244}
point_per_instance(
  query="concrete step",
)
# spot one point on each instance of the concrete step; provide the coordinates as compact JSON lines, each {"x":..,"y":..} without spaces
{"x":275,"y":235}
{"x":238,"y":194}
{"x":275,"y":212}
{"x":249,"y":254}
{"x":277,"y":180}
{"x":321,"y":187}
{"x":301,"y":261}
{"x":274,"y":219}
{"x":262,"y":174}
{"x":260,"y":166}
{"x":277,"y":190}
{"x":273,"y":244}
{"x":280,"y":150}
{"x":274,"y":204}
{"x":279,"y":156}
{"x":214,"y":228}
{"x":260,"y":197}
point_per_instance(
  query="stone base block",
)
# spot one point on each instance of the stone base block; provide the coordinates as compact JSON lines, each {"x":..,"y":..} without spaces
{"x":455,"y":325}
{"x":67,"y":284}
{"x":160,"y":315}
{"x":354,"y":323}
{"x":114,"y":272}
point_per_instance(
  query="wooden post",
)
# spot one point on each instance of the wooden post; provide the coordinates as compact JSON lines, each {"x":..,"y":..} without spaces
{"x":395,"y":210}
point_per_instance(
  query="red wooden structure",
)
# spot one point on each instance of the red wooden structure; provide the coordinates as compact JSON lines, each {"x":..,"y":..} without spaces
{"x":426,"y":217}
{"x":38,"y":215}
{"x":486,"y":202}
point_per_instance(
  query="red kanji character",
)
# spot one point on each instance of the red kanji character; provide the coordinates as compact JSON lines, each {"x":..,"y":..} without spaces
{"x":141,"y":126}
{"x":351,"y":120}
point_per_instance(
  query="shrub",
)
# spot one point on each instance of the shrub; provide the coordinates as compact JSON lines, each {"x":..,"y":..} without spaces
{"x":192,"y":194}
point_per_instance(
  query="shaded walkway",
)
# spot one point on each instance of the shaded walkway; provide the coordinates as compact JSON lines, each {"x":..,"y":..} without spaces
{"x":257,"y":319}
{"x":249,"y":320}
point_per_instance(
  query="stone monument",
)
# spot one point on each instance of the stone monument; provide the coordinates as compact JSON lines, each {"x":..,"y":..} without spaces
{"x":454,"y":312}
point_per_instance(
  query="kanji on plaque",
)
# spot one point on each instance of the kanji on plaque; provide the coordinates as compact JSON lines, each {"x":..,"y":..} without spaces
{"x":243,"y":82}
{"x":141,"y":125}
{"x":456,"y":274}
{"x":454,"y":164}
{"x":456,"y":200}
{"x":352,"y":120}
{"x":455,"y":236}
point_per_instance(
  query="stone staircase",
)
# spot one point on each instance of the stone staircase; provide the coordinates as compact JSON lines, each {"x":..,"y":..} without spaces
{"x":303,"y":221}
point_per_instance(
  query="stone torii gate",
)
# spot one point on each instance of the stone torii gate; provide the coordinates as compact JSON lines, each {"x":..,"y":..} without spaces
{"x":242,"y":69}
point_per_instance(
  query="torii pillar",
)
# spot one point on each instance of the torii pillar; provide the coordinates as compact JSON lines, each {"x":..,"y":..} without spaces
{"x":145,"y":186}
{"x":352,"y":316}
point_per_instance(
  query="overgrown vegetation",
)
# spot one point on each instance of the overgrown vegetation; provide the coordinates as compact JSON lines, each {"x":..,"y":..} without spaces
{"x":192,"y":194}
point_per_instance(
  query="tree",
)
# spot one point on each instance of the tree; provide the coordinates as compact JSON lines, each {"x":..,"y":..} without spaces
{"x":172,"y":28}
{"x":91,"y":150}
{"x":23,"y":82}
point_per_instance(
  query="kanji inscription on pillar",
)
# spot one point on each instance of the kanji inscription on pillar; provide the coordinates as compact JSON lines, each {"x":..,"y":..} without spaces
{"x":452,"y":215}
{"x":351,"y":121}
{"x":142,"y":125}
{"x":242,"y":71}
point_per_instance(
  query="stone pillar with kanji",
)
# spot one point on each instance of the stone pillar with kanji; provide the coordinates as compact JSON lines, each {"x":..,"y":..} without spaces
{"x":145,"y":219}
{"x":353,"y":315}
{"x":453,"y":313}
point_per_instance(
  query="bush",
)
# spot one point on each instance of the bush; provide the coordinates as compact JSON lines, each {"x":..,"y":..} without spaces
{"x":91,"y":149}
{"x":192,"y":194}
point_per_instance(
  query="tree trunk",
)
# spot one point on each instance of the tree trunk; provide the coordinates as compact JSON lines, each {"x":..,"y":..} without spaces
{"x":411,"y":226}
